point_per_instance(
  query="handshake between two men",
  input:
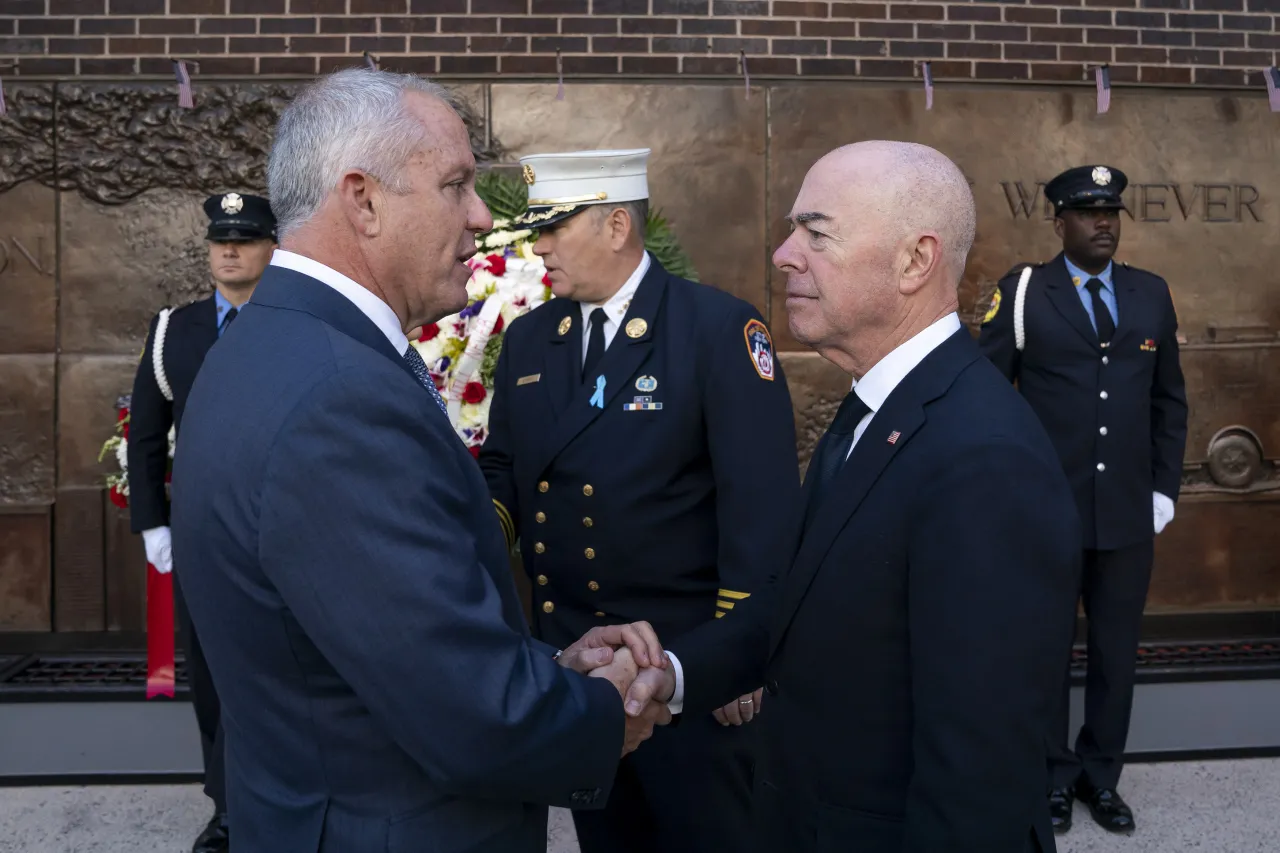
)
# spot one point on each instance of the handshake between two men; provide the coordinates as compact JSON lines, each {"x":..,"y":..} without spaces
{"x":633,"y":660}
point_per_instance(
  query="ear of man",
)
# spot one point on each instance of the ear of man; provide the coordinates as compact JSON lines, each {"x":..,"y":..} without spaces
{"x":360,"y":203}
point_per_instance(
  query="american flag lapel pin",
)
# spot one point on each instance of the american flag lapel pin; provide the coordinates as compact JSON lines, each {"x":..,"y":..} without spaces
{"x":894,"y":436}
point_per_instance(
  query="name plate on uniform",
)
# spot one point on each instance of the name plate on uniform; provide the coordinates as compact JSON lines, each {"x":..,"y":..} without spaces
{"x":526,"y":380}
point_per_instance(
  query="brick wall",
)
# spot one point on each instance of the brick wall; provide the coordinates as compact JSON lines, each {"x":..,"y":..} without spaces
{"x":1220,"y":43}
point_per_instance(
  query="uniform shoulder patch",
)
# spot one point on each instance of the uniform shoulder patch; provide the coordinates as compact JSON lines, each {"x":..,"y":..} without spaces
{"x":759,"y":348}
{"x":994,"y":309}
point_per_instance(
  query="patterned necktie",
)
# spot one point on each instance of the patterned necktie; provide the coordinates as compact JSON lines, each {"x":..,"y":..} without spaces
{"x":835,"y":447}
{"x":1102,"y":316}
{"x":595,"y":344}
{"x":419,"y":368}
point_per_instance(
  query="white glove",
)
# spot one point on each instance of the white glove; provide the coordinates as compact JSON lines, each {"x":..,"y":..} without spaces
{"x":1162,"y":508}
{"x":159,"y":549}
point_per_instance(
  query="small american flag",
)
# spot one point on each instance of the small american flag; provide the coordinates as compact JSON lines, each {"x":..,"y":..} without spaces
{"x":1273,"y":88}
{"x":3,"y":109}
{"x":560,"y":76}
{"x":928,"y":86}
{"x":894,"y":436}
{"x":184,"y":84}
{"x":1103,"y":75}
{"x":370,"y":62}
{"x":746,"y":78}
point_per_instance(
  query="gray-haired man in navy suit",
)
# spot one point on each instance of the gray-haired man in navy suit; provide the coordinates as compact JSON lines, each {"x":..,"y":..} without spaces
{"x":343,"y":563}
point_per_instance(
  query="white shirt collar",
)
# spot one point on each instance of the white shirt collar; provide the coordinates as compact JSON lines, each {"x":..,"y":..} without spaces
{"x":371,"y":306}
{"x":878,"y":382}
{"x":616,"y":306}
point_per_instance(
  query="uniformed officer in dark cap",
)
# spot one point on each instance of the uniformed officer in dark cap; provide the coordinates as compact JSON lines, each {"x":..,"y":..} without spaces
{"x":1093,"y":347}
{"x":241,"y":238}
{"x":642,"y":449}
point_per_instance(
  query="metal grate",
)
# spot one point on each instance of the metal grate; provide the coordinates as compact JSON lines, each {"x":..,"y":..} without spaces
{"x":1218,"y":656}
{"x":125,"y":675}
{"x":81,"y":673}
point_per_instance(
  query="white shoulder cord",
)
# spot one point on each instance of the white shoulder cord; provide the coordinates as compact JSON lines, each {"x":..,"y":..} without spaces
{"x":1019,"y":305}
{"x":157,"y":354}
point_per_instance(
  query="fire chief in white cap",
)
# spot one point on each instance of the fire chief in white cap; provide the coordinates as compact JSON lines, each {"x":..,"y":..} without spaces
{"x":642,"y":451}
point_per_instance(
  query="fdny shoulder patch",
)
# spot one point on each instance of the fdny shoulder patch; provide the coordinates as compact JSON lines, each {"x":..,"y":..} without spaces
{"x":994,"y":309}
{"x":760,"y":348}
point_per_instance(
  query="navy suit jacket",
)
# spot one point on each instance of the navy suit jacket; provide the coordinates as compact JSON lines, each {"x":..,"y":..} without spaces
{"x":350,"y":584}
{"x":1138,"y":431}
{"x":914,"y":651}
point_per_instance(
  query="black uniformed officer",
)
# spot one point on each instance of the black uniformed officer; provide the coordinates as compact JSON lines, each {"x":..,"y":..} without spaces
{"x":241,"y":237}
{"x":642,"y":449}
{"x":1093,"y":347}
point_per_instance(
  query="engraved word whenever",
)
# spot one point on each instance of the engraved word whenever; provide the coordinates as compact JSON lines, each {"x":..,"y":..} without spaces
{"x":1154,"y":202}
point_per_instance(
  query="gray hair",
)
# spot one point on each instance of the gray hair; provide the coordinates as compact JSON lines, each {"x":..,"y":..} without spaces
{"x":637,"y":210}
{"x":351,"y":119}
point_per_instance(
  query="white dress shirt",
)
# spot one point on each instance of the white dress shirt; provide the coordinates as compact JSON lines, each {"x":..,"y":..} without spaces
{"x":878,"y":383}
{"x":873,"y":389}
{"x":371,"y":306}
{"x":615,"y":308}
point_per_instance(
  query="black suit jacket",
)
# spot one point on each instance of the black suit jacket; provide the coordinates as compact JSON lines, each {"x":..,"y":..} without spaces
{"x":674,"y":513}
{"x":192,"y":330}
{"x":1063,"y":373}
{"x":913,"y":652}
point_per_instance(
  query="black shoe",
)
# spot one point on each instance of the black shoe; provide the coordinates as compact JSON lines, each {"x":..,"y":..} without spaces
{"x":1060,"y":803}
{"x":215,"y":838}
{"x":1108,"y":809}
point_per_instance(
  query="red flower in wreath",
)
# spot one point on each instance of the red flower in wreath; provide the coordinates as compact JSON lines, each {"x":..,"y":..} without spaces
{"x":546,"y":280}
{"x":497,"y":327}
{"x":475,"y":451}
{"x":429,"y":332}
{"x":473,"y":392}
{"x":120,"y":417}
{"x":119,"y":499}
{"x":497,"y":265}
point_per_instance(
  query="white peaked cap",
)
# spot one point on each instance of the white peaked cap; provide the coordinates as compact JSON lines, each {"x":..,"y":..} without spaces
{"x":563,"y":183}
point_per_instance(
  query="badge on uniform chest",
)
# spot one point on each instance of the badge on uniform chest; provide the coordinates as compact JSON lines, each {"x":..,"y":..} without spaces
{"x":644,"y":401}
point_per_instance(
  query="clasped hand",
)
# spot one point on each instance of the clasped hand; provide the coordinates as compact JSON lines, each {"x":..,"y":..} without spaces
{"x":631,"y":658}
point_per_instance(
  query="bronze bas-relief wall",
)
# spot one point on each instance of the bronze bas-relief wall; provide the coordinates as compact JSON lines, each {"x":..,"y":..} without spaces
{"x":100,"y":225}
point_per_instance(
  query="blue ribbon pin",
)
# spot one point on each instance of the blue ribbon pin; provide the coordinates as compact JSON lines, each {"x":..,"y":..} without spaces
{"x":597,"y":399}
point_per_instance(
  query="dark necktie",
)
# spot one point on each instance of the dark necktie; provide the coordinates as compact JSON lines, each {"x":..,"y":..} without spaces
{"x":231,"y":315}
{"x":835,"y":446}
{"x":595,"y":345}
{"x":1102,"y":316}
{"x":419,"y":368}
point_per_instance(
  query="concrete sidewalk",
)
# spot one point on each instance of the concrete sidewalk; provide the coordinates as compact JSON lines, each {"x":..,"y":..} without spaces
{"x":1217,"y":807}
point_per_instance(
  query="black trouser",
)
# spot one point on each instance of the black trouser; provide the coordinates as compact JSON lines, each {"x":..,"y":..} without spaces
{"x":1114,"y":588}
{"x":205,"y":699}
{"x":685,"y":790}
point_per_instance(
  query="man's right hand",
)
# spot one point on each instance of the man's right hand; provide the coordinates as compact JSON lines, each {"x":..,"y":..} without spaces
{"x":159,"y":549}
{"x":639,"y":727}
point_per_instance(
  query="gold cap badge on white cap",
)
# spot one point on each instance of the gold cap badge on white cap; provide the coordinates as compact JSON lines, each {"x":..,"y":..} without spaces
{"x":564,"y":183}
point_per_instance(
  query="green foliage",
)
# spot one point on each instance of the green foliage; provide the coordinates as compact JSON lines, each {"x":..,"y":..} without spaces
{"x":489,"y":361}
{"x":507,"y":198}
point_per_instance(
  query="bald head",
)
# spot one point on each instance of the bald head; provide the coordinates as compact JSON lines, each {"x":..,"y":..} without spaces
{"x":881,"y":232}
{"x":911,"y":186}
